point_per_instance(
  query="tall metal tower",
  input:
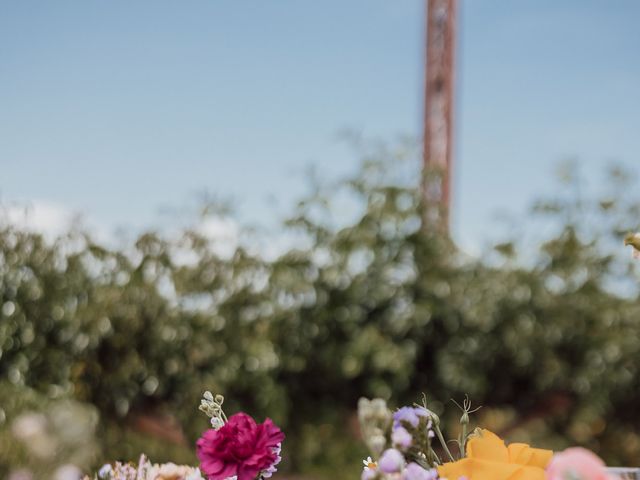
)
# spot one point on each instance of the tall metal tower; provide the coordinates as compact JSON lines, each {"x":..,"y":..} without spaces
{"x":438,"y":115}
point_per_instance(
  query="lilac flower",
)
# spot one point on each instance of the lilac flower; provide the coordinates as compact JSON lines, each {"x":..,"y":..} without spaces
{"x":401,"y":438}
{"x":105,"y":471}
{"x":410,"y":415}
{"x":391,"y":461}
{"x":368,"y":474}
{"x":416,"y":472}
{"x":268,"y":473}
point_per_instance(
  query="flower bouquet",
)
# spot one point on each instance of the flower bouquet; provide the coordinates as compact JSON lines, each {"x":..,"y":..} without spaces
{"x":234,"y":448}
{"x":408,"y":444}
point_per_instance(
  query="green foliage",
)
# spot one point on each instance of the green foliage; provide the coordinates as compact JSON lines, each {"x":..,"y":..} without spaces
{"x":365,"y":303}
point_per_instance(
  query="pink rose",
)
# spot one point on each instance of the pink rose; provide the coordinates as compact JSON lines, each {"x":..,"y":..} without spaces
{"x":241,"y":447}
{"x":577,"y":464}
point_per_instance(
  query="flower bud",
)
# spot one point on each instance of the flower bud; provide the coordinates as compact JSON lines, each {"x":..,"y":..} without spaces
{"x":377,"y":444}
{"x":464,"y":420}
{"x":217,"y":423}
{"x":379,"y":406}
{"x":435,"y":418}
{"x":364,"y":408}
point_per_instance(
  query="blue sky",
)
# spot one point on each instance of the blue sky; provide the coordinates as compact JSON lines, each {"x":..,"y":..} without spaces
{"x":118,"y":108}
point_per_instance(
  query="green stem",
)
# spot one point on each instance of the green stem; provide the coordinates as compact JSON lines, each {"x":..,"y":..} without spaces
{"x":443,"y":443}
{"x":436,"y":457}
{"x":463,"y":440}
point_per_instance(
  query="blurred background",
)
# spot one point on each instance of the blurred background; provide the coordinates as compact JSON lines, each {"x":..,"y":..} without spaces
{"x":299,"y":203}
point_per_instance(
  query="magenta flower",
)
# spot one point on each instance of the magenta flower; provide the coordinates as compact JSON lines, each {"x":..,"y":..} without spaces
{"x":240,"y":448}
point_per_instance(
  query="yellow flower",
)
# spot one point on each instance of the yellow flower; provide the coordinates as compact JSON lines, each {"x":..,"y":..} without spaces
{"x":488,"y":458}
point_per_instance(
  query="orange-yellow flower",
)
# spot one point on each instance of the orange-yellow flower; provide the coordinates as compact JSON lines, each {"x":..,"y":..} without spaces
{"x":488,"y":458}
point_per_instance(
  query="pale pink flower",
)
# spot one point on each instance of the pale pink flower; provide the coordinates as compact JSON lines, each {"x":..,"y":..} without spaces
{"x":577,"y":464}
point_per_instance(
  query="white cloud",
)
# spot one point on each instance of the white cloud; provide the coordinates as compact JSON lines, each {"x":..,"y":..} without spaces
{"x":224,"y":234}
{"x":39,"y":216}
{"x":51,"y":219}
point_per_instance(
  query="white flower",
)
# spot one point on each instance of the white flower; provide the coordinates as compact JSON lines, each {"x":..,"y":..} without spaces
{"x":195,"y":475}
{"x":171,"y":471}
{"x":369,"y":464}
{"x":67,"y":472}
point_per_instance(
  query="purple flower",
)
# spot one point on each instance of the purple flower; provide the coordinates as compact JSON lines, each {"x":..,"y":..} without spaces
{"x":368,"y":474}
{"x":410,"y":415}
{"x":401,"y":438}
{"x":416,"y":472}
{"x":391,"y":461}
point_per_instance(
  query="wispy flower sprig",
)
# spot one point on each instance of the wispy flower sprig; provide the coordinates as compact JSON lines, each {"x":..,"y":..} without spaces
{"x":464,"y":422}
{"x":212,"y":407}
{"x":375,"y":419}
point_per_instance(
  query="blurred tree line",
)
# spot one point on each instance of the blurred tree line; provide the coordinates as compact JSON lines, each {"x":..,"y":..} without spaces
{"x":543,"y":329}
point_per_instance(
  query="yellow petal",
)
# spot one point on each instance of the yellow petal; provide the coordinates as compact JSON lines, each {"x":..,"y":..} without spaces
{"x":476,"y":469}
{"x":540,"y":457}
{"x":525,"y":455}
{"x":455,"y":470}
{"x":487,"y":446}
{"x":489,"y":459}
{"x":519,"y":453}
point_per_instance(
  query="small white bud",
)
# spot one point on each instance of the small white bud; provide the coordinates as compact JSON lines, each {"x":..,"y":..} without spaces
{"x":105,"y":471}
{"x":217,"y":423}
{"x":377,"y":444}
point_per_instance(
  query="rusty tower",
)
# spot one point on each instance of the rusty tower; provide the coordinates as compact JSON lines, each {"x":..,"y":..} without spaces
{"x":438,"y":113}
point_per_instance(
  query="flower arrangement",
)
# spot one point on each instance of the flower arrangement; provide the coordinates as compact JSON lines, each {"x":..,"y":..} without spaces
{"x":234,"y":448}
{"x":408,"y":444}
